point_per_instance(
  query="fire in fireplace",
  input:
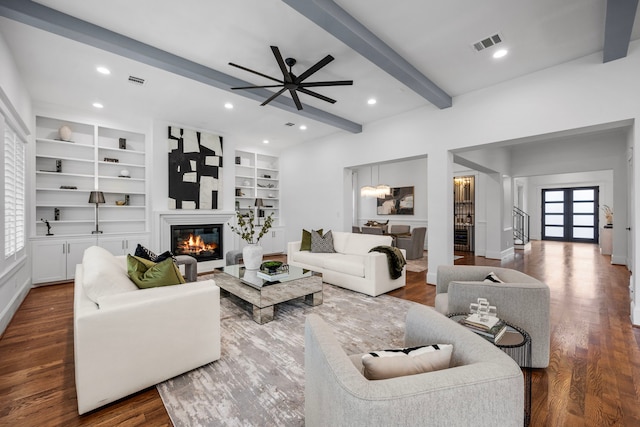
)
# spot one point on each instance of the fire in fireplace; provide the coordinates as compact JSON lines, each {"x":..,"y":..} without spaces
{"x":203,"y":242}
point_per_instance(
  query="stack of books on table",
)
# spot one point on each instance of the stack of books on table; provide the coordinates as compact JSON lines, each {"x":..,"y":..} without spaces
{"x":273,"y":277}
{"x":488,"y":327}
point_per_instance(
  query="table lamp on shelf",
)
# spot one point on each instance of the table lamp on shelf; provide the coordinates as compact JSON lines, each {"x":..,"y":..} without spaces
{"x":96,"y":197}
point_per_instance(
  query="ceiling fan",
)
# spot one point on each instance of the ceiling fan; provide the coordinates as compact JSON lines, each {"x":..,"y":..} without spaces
{"x":294,"y":83}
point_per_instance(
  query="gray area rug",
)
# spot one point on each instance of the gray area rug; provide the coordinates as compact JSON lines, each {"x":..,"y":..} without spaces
{"x":259,"y":379}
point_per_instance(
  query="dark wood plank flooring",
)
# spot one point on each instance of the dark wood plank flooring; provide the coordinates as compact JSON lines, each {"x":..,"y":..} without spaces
{"x":593,"y":378}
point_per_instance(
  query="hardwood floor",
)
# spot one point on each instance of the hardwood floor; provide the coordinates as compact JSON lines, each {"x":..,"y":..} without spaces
{"x":593,"y":378}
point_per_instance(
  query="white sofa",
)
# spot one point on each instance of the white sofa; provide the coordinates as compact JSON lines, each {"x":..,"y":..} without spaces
{"x":127,"y":339}
{"x":352,"y":266}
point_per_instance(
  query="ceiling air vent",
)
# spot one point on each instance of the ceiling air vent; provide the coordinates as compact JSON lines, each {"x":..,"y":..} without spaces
{"x":289,"y":124}
{"x":487,"y":42}
{"x":136,"y":80}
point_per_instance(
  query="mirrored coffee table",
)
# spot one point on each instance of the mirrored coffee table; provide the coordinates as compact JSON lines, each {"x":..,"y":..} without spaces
{"x":263,"y":295}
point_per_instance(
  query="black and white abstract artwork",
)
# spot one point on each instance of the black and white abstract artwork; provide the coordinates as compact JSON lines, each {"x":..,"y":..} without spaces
{"x":195,"y":169}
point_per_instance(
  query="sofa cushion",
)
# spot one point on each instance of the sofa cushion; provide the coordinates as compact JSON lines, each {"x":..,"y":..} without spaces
{"x":305,"y":242}
{"x":321,"y":244}
{"x":103,"y":274}
{"x":142,"y":252}
{"x":309,"y":258}
{"x":352,"y":265}
{"x":360,"y":244}
{"x":492,"y":278}
{"x":380,"y":365}
{"x":147,"y":274}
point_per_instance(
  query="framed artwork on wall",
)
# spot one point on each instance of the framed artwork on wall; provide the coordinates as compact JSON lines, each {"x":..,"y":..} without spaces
{"x":195,"y":169}
{"x":399,"y":202}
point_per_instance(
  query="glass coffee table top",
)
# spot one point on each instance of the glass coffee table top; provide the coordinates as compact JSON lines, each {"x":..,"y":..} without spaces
{"x":251,"y":278}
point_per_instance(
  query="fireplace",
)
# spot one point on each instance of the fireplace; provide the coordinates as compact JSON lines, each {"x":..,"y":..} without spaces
{"x":203,"y":241}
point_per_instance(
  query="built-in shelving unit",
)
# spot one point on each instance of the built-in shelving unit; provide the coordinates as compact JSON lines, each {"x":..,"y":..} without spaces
{"x":464,"y":213}
{"x":257,"y":177}
{"x":65,"y":172}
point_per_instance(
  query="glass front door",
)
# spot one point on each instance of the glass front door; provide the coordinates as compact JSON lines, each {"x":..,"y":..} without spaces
{"x":570,"y":214}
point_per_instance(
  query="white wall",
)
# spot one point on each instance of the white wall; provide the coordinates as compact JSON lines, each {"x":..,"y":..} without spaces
{"x":15,"y":106}
{"x":560,"y":99}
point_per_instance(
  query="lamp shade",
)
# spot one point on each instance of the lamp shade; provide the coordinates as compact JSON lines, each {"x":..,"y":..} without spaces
{"x":96,"y":197}
{"x":258,"y":203}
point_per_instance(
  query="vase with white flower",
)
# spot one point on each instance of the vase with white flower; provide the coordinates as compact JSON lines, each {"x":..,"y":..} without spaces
{"x":251,"y":233}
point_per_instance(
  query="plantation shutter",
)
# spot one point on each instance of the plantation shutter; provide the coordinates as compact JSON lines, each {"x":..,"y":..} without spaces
{"x":14,"y":193}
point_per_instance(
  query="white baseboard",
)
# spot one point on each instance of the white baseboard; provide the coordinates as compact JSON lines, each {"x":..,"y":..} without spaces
{"x":635,"y":314}
{"x":10,"y":310}
{"x":431,"y":278}
{"x":619,"y":260}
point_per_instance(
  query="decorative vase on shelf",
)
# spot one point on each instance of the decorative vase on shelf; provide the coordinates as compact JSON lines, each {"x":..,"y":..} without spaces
{"x":252,"y":256}
{"x":65,"y":133}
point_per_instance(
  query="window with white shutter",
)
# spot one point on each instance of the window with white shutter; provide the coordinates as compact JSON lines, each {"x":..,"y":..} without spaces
{"x":14,"y":192}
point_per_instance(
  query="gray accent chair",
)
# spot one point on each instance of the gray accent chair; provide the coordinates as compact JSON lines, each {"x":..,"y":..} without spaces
{"x":484,"y":385}
{"x":414,"y":244}
{"x":522,"y":300}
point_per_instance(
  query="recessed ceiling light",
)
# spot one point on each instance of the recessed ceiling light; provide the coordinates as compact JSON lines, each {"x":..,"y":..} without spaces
{"x":98,"y":105}
{"x":303,"y":127}
{"x":228,"y":106}
{"x":266,"y":141}
{"x":103,"y":70}
{"x":371,"y":101}
{"x":500,"y":53}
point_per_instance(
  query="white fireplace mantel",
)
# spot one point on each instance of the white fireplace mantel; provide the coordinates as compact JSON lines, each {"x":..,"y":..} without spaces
{"x":165,"y":219}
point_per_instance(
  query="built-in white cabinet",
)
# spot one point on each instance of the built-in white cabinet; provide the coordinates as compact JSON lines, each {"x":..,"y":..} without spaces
{"x":123,"y":245}
{"x":55,"y":260}
{"x":72,"y":159}
{"x":257,"y":177}
{"x":272,"y":242}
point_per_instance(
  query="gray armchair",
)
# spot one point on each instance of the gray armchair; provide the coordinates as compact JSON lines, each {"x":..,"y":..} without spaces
{"x":483,"y":384}
{"x":414,"y":244}
{"x":522,"y":300}
{"x":399,"y":229}
{"x":373,"y":230}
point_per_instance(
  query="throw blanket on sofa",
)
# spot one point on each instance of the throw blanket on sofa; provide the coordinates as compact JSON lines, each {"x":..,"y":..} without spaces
{"x":394,"y":258}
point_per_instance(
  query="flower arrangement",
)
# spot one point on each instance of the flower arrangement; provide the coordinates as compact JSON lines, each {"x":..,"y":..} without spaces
{"x":246,"y":228}
{"x":608,"y":214}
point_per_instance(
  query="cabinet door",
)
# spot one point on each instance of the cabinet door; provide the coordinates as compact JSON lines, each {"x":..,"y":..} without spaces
{"x":75,"y":252}
{"x":132,"y":242}
{"x":49,"y":261}
{"x":277,"y":240}
{"x":115,"y":245}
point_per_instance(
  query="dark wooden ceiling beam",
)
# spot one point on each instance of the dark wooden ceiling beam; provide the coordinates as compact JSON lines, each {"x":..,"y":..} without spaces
{"x":618,"y":26}
{"x":335,"y":20}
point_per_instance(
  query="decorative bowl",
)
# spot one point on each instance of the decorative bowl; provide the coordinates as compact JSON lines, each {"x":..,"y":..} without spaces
{"x":271,"y":266}
{"x":120,"y":202}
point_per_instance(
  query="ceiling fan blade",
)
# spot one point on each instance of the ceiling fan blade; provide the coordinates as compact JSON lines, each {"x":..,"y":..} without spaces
{"x":294,"y":95}
{"x":324,"y":61}
{"x":329,"y":83}
{"x":281,"y":64}
{"x":255,"y":87}
{"x":274,"y":96}
{"x":255,"y":72}
{"x":317,"y":95}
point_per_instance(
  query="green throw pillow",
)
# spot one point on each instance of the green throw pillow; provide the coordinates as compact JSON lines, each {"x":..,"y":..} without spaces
{"x":305,"y":244}
{"x":148,"y":274}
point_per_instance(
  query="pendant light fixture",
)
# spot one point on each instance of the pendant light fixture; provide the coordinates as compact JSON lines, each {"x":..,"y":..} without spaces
{"x":368,"y":190}
{"x":382,"y":190}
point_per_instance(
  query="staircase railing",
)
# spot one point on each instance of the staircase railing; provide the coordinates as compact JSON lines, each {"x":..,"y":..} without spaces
{"x":521,"y":223}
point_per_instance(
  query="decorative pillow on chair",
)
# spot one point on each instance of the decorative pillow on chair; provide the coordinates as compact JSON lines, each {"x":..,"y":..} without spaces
{"x":322,"y":244}
{"x":491,"y":277}
{"x":305,"y":244}
{"x":142,"y":252}
{"x":147,"y":274}
{"x":380,"y":365}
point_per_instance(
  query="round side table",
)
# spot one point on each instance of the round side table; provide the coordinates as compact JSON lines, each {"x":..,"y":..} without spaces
{"x":516,"y":342}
